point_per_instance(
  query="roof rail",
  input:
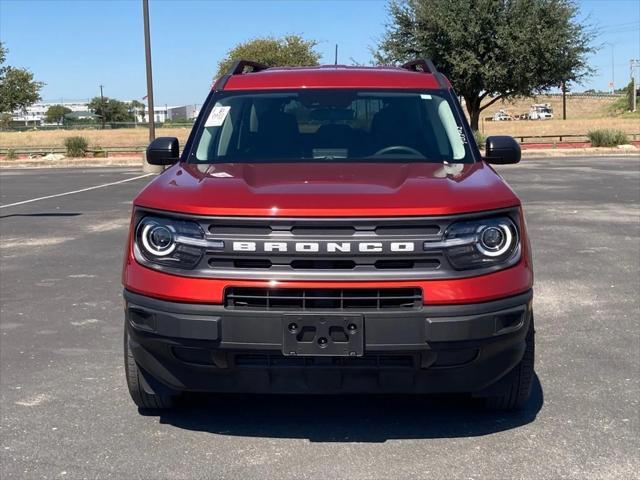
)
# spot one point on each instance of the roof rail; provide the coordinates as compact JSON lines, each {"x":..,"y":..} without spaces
{"x":237,"y":68}
{"x":425,"y":65}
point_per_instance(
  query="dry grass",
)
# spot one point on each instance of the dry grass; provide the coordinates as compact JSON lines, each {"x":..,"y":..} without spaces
{"x":584,"y":114}
{"x":560,"y":127}
{"x":103,"y":138}
{"x":578,"y":107}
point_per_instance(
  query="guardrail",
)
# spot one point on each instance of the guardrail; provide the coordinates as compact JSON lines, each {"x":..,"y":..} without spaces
{"x":531,"y":139}
{"x":95,"y":151}
{"x":563,"y":138}
{"x":94,"y":126}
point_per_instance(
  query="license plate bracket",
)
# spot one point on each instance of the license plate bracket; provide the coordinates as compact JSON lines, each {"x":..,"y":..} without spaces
{"x":323,"y":335}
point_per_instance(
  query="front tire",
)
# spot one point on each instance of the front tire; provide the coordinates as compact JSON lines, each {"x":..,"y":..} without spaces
{"x":516,"y":387}
{"x":140,"y":396}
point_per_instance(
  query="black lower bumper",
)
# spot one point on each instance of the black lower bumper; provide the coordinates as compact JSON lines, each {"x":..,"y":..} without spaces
{"x":435,"y":349}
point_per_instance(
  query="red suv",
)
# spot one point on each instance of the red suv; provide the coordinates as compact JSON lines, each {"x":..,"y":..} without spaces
{"x":329,"y":230}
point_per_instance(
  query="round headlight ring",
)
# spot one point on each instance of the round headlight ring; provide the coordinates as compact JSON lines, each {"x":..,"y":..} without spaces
{"x":487,"y":240}
{"x":158,"y":239}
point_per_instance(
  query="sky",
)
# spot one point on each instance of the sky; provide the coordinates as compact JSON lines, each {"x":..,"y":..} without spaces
{"x":75,"y":46}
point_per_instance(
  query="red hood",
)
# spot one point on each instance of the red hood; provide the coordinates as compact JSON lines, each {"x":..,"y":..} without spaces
{"x":327,"y":189}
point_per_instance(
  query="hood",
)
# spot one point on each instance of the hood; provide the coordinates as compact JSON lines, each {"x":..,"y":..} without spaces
{"x":327,"y":189}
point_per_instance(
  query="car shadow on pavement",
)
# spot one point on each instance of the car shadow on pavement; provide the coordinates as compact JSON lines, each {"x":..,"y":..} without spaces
{"x":56,"y":214}
{"x":358,"y":418}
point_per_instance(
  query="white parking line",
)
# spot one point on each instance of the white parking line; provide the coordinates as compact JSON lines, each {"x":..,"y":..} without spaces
{"x":76,"y":191}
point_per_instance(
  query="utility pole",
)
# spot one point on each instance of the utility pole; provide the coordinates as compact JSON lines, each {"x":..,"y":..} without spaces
{"x":564,"y":100}
{"x":634,"y":64}
{"x":102,"y":105}
{"x":147,"y":54}
{"x":336,"y":56}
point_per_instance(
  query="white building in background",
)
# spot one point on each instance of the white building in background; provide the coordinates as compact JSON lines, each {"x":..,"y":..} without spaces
{"x":36,"y":113}
{"x":185,"y":112}
{"x":168,"y":112}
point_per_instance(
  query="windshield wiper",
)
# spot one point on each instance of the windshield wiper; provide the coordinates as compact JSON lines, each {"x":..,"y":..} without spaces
{"x":330,"y":157}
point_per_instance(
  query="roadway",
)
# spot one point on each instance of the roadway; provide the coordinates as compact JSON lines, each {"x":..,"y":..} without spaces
{"x":66,"y":412}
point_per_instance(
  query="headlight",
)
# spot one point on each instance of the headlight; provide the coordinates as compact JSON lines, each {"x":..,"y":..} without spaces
{"x":158,"y":240}
{"x":175,"y":243}
{"x":480,"y":243}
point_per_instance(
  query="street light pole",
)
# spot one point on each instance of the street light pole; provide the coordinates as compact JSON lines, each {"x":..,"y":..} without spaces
{"x":613,"y":71}
{"x":147,"y":54}
{"x":613,"y":74}
{"x":102,"y":105}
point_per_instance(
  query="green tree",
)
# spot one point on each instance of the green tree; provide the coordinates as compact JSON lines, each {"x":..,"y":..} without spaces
{"x":625,"y":102}
{"x":137,"y":107}
{"x":18,"y":89}
{"x":628,"y":92}
{"x":56,"y":113}
{"x":5,"y":120}
{"x":110,"y":109}
{"x":290,"y":50}
{"x":491,"y":49}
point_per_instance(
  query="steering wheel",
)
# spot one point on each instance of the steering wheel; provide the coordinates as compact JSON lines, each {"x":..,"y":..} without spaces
{"x":392,"y":148}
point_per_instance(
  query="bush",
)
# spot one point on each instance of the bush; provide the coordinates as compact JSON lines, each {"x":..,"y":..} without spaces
{"x":5,"y":120}
{"x":607,"y":138}
{"x":99,"y":152}
{"x":624,"y":104}
{"x":480,"y":139}
{"x":76,"y":146}
{"x":11,"y":155}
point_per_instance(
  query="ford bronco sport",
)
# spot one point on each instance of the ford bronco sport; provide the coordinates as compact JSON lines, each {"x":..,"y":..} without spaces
{"x":329,"y":230}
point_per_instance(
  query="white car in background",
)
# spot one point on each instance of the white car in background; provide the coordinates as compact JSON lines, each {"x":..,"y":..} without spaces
{"x":541,"y":111}
{"x":501,"y":116}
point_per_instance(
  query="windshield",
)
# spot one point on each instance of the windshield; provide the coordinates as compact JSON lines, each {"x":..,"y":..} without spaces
{"x":331,"y":125}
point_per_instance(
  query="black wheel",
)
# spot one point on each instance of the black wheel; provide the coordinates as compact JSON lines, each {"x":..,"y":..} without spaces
{"x":516,"y":387}
{"x":141,"y":396}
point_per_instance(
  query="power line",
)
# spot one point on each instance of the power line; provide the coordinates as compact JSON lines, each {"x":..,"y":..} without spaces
{"x":617,"y":28}
{"x":629,"y":28}
{"x":616,"y":25}
{"x":622,"y":30}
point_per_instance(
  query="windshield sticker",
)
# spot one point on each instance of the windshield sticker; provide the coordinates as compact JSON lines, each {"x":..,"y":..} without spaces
{"x":424,"y":96}
{"x":217,"y":116}
{"x":463,"y":136}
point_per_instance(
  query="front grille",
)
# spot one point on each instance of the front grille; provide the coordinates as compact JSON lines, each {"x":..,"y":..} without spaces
{"x":307,"y":264}
{"x":241,"y":298}
{"x":324,"y":249}
{"x":285,"y":262}
{"x":367,"y":361}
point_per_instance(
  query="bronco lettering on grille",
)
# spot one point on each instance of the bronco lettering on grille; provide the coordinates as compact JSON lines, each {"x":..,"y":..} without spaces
{"x":323,"y":247}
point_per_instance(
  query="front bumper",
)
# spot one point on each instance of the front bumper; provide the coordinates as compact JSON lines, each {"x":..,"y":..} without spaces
{"x":434,"y":349}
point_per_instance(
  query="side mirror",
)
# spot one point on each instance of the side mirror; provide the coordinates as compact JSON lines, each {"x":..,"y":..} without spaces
{"x":502,"y":150}
{"x":163,"y":151}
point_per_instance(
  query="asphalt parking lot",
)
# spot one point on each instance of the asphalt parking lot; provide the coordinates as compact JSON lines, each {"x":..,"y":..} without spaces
{"x":66,"y":412}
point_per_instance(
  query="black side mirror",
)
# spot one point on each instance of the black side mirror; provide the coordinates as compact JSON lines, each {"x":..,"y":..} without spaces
{"x":163,"y":151}
{"x":502,"y":150}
